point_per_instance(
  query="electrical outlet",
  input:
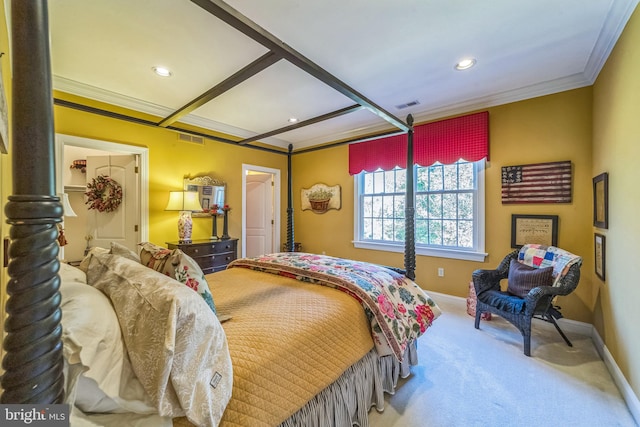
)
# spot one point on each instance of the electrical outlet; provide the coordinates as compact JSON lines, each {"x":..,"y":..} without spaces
{"x":440,"y":272}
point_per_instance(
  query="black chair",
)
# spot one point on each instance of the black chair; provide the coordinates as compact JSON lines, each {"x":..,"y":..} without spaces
{"x":538,"y":302}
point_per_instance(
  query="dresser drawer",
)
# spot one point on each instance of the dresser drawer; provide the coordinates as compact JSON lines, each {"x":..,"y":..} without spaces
{"x":217,"y":260}
{"x":209,"y":249}
{"x":211,"y":256}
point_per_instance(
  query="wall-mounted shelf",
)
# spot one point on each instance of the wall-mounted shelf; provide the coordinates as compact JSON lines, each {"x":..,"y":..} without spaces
{"x":75,"y":188}
{"x":80,"y":165}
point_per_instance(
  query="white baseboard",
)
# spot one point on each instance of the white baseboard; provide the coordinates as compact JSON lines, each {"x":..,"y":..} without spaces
{"x":586,"y":329}
{"x":633,"y":403}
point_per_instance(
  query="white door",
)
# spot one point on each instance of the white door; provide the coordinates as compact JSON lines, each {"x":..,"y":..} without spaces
{"x":259,"y":219}
{"x":123,"y":224}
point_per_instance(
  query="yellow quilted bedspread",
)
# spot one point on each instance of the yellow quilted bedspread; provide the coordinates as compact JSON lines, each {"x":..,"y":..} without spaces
{"x":288,"y":340}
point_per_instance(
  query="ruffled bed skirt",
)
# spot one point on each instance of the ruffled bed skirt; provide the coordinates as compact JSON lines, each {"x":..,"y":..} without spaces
{"x":347,"y":401}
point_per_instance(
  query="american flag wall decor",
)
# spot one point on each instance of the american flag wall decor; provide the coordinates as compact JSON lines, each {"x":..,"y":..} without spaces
{"x":537,"y":183}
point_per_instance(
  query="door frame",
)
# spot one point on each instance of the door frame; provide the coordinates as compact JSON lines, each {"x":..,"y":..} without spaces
{"x":142,"y":152}
{"x":246,"y":168}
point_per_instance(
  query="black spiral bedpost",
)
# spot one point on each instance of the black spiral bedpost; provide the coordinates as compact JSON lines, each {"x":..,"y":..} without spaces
{"x":290,"y":234}
{"x":409,"y":240}
{"x":33,"y":360}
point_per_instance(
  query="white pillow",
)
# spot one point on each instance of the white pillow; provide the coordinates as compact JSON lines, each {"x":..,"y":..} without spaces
{"x":92,"y":339}
{"x":69,"y":273}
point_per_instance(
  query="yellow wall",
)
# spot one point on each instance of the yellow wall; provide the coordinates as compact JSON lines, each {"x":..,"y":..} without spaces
{"x":555,"y":127}
{"x":550,"y":128}
{"x":169,"y":161}
{"x":5,"y":164}
{"x":616,"y":150}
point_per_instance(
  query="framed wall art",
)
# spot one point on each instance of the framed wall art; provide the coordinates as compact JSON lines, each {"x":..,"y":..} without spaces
{"x":540,"y":229}
{"x":599,"y":253}
{"x":601,"y":200}
{"x":320,"y":198}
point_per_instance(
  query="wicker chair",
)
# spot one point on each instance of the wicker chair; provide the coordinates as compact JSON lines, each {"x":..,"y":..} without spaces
{"x":538,"y":302}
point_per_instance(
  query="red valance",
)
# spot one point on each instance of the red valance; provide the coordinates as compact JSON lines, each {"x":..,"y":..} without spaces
{"x":385,"y":153}
{"x":444,"y":141}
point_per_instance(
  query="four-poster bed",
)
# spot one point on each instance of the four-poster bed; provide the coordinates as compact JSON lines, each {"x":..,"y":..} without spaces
{"x":37,"y":369}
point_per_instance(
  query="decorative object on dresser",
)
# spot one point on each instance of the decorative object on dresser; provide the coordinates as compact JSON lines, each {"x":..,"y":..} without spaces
{"x":211,"y":194}
{"x":214,"y":230}
{"x":211,"y":256}
{"x":225,"y":224}
{"x":185,"y":202}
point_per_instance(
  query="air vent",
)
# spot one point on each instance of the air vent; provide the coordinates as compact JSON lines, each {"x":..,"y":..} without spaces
{"x":191,"y":138}
{"x":407,"y":105}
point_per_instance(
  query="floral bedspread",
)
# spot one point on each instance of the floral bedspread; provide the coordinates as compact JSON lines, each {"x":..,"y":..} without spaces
{"x":398,"y":309}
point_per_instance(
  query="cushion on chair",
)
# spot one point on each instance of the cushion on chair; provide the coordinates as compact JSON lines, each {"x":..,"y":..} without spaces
{"x":523,"y":278}
{"x":503,"y":301}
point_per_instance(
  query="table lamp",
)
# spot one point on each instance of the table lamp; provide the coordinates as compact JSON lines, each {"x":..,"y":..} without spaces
{"x":185,"y":202}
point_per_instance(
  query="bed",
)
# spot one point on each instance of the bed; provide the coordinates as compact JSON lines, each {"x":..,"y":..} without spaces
{"x":178,"y":360}
{"x":296,"y":339}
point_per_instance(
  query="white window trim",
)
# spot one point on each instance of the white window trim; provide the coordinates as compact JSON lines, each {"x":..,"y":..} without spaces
{"x":478,"y":255}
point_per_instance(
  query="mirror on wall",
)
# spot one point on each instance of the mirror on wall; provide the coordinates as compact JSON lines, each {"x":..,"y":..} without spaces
{"x":211,"y":192}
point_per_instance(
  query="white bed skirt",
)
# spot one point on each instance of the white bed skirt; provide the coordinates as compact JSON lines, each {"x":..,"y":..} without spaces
{"x":347,"y":401}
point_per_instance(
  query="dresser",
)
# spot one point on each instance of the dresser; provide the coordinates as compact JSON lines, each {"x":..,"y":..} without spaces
{"x":211,"y":255}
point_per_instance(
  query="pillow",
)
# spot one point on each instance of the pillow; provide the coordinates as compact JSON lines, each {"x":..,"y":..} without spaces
{"x":84,"y":264}
{"x":69,"y":273}
{"x":119,"y":249}
{"x":522,"y":278}
{"x":176,"y":346}
{"x":155,"y":257}
{"x":188,"y":272}
{"x":175,"y":263}
{"x":100,"y":378}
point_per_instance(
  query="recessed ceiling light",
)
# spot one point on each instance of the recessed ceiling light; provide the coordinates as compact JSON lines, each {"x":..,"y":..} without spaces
{"x":465,"y":64}
{"x":292,"y":120}
{"x":161,"y":71}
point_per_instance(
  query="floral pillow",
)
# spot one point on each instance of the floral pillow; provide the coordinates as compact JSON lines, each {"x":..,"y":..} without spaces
{"x":155,"y":257}
{"x":175,"y":263}
{"x":188,"y":272}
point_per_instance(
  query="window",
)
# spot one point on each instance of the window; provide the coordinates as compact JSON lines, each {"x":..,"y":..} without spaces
{"x":449,"y":210}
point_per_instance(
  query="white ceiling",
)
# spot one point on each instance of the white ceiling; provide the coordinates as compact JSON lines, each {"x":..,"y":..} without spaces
{"x":390,"y":51}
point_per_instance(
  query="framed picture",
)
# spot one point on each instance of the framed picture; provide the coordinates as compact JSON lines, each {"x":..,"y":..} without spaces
{"x":601,"y":201}
{"x":540,"y":229}
{"x":599,"y":252}
{"x":320,"y":198}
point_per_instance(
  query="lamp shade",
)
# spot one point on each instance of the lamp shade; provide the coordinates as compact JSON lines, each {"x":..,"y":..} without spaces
{"x":183,"y":201}
{"x":66,"y":206}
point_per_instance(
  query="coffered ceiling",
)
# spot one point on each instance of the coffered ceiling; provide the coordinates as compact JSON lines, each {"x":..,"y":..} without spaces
{"x":342,"y":68}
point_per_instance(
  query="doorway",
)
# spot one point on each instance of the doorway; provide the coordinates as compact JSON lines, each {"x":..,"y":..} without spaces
{"x":66,"y":182}
{"x":260,"y":210}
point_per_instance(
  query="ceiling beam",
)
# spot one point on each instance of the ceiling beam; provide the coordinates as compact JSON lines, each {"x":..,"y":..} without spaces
{"x":250,"y":70}
{"x":303,"y":123}
{"x":232,"y":17}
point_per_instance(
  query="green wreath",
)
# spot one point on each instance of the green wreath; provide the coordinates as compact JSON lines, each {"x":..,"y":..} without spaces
{"x":104,"y":194}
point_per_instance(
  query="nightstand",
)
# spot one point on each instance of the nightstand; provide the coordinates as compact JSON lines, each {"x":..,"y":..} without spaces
{"x":211,"y":255}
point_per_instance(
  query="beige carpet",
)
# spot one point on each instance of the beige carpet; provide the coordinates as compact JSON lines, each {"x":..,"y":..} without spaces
{"x":468,"y":377}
